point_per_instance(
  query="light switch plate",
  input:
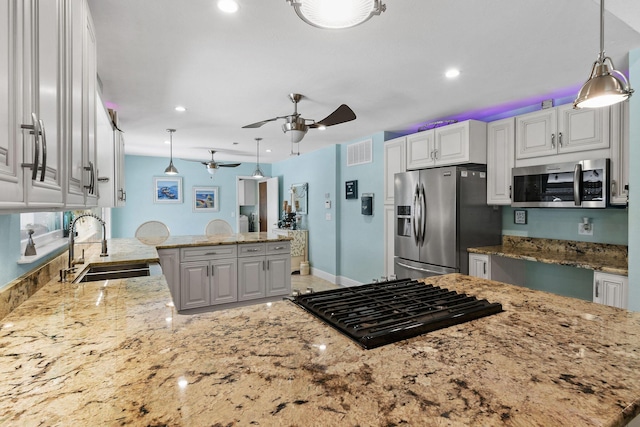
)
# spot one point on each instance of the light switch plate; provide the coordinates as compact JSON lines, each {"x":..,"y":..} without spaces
{"x":327,"y":216}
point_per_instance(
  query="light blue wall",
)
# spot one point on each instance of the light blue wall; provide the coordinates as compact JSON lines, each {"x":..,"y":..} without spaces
{"x":361,"y":241}
{"x":10,"y":250}
{"x":318,"y":170}
{"x":634,"y":182}
{"x":609,"y":225}
{"x":180,"y":218}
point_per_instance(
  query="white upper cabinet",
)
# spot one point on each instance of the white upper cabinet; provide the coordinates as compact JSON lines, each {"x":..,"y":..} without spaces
{"x":32,"y":104}
{"x":619,"y":154}
{"x":394,"y":162}
{"x":81,"y":178}
{"x":500,"y":160}
{"x":562,"y":132}
{"x":46,"y":43}
{"x":458,"y":143}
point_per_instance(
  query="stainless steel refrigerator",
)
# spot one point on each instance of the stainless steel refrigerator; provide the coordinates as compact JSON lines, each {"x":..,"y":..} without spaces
{"x":439,"y":213}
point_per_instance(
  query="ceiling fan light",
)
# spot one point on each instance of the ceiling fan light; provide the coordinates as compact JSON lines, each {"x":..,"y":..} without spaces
{"x":296,"y":129}
{"x":211,"y":169}
{"x":336,"y":14}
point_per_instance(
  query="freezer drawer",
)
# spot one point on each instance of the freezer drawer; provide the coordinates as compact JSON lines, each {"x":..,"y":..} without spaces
{"x":406,"y":269}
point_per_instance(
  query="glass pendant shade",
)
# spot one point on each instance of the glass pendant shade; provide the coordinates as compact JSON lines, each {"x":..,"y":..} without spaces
{"x":211,"y":169}
{"x":606,"y":86}
{"x":171,"y":170}
{"x":296,"y":128}
{"x":337,"y":14}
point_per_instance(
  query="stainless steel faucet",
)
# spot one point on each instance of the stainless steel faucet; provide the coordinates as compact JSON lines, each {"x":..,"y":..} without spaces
{"x":72,"y":234}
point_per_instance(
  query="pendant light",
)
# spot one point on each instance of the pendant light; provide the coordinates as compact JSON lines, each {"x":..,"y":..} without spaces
{"x":171,"y":170}
{"x":336,"y":14}
{"x":258,"y":173}
{"x":606,"y":85}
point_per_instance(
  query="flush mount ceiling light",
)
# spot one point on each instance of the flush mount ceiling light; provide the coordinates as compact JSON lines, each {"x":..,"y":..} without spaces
{"x":337,"y":14}
{"x":228,"y":6}
{"x":171,"y":170}
{"x":606,"y":85}
{"x":258,"y":172}
{"x":452,"y":73}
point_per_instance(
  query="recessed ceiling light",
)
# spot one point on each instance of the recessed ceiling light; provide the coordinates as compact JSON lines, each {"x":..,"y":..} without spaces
{"x":167,"y":142}
{"x":268,"y":150}
{"x":180,"y":108}
{"x":228,"y":6}
{"x":451,"y":73}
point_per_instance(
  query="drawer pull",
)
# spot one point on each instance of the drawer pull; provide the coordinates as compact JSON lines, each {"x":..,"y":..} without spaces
{"x":253,"y":250}
{"x":211,"y":253}
{"x":278,"y":248}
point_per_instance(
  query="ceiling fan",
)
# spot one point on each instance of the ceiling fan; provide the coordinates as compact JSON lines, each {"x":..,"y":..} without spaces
{"x":212,"y":165}
{"x":297,"y":126}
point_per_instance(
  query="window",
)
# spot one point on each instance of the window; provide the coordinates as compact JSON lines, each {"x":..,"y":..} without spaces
{"x":48,"y":228}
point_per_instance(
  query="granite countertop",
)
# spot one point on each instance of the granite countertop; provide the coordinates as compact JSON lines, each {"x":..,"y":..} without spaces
{"x":593,"y":256}
{"x":200,"y":240}
{"x":117,"y":353}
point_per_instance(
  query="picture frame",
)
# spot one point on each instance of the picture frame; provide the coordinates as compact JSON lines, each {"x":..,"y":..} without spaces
{"x":167,"y":189}
{"x":519,"y":216}
{"x":206,"y":199}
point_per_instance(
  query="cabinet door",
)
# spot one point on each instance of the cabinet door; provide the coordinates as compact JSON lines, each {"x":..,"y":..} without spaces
{"x":388,"y":240}
{"x":120,"y":184}
{"x":194,"y":285}
{"x":500,"y":160}
{"x":89,"y":111}
{"x":619,"y":154}
{"x":583,"y":129}
{"x":224,"y":281}
{"x":610,"y":289}
{"x":452,"y":144}
{"x":395,"y":160}
{"x":536,"y":134}
{"x":251,"y":278}
{"x":479,"y":266}
{"x":170,"y":263}
{"x":43,"y":72}
{"x":278,"y":278}
{"x":13,"y":137}
{"x":105,"y":138}
{"x":420,"y":148}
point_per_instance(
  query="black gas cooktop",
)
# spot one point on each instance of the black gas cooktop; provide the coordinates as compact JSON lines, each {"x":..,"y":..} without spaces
{"x":382,"y":313}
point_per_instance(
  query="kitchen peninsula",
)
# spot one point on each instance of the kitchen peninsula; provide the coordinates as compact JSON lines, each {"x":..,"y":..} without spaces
{"x":117,"y":352}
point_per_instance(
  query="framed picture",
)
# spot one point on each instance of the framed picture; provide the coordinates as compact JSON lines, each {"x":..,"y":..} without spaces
{"x":206,"y":199}
{"x":167,"y":189}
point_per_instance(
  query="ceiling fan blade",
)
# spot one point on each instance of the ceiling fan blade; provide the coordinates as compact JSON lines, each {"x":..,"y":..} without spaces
{"x":342,"y":114}
{"x":258,"y":124}
{"x":228,"y":165}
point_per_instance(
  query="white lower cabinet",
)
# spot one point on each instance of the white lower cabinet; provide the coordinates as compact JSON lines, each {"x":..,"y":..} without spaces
{"x":610,"y":289}
{"x":264,"y":276}
{"x":170,"y":264}
{"x":480,"y":266}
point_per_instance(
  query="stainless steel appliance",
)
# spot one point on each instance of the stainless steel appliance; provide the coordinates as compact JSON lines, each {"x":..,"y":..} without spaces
{"x":562,"y":185}
{"x":439,"y":213}
{"x":382,"y":313}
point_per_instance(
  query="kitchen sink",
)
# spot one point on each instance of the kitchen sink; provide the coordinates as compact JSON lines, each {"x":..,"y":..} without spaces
{"x":118,"y":271}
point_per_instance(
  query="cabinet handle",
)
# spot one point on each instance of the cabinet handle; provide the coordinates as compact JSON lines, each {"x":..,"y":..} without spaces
{"x":597,"y":288}
{"x":268,"y":264}
{"x":44,"y":151}
{"x":35,"y":131}
{"x":125,"y":196}
{"x":253,"y":250}
{"x":262,"y":265}
{"x":553,"y":140}
{"x":211,"y":253}
{"x":485,"y":267}
{"x":560,"y":139}
{"x":435,"y":154}
{"x":213,"y":271}
{"x":92,"y":178}
{"x":277,"y":248}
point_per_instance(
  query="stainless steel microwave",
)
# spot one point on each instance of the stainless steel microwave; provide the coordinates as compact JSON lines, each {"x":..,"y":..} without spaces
{"x":581,"y":184}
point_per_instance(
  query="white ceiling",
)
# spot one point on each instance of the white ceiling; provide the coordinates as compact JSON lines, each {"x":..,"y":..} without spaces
{"x":233,"y":70}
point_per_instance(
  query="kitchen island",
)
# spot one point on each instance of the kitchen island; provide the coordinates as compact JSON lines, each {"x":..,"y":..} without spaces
{"x":117,"y":353}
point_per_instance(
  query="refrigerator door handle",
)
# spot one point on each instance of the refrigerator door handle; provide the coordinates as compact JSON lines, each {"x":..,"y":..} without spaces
{"x":423,"y":214}
{"x":414,"y":216}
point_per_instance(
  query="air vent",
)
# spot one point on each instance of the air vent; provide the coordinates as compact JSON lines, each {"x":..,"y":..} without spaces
{"x":360,"y":153}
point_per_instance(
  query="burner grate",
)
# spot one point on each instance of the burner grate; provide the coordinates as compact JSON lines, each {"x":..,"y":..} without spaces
{"x":382,"y":313}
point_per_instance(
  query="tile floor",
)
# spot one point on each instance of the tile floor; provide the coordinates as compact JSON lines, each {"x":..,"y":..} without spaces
{"x":301,"y":283}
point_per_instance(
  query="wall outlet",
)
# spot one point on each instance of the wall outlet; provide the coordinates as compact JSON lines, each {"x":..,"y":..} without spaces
{"x":585,"y":229}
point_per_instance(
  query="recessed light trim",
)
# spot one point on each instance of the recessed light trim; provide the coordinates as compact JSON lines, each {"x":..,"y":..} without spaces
{"x":180,"y":108}
{"x":228,"y":6}
{"x":452,"y":73}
